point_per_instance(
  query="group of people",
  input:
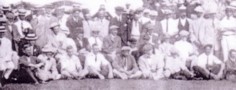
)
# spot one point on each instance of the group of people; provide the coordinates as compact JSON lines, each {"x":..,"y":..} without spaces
{"x":184,"y":41}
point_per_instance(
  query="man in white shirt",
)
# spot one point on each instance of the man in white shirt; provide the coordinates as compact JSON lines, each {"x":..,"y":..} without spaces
{"x":8,"y":58}
{"x":70,"y":65}
{"x":185,"y":49}
{"x":227,"y":33}
{"x":97,"y":65}
{"x":150,"y":64}
{"x":208,"y":66}
{"x":95,"y":39}
{"x":22,"y":24}
{"x":169,"y":24}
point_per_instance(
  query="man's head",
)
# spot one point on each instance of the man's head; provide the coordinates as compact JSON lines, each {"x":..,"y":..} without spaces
{"x":119,"y":10}
{"x":232,"y":54}
{"x":132,"y":43}
{"x":114,"y":30}
{"x":76,"y":12}
{"x":95,"y":32}
{"x":70,"y":50}
{"x":101,"y":14}
{"x":199,"y":11}
{"x":55,"y":27}
{"x":88,"y":16}
{"x":27,"y":50}
{"x":95,"y":48}
{"x":125,"y":50}
{"x":208,"y":49}
{"x":22,"y":13}
{"x":147,"y":49}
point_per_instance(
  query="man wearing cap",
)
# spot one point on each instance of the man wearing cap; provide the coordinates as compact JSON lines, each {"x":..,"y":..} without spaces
{"x":97,"y":65}
{"x":120,"y":20}
{"x":208,"y":35}
{"x":125,"y":66}
{"x":62,"y":19}
{"x":183,"y":23}
{"x":41,"y":25}
{"x":196,"y":25}
{"x":156,"y":27}
{"x":74,"y":23}
{"x":81,"y":42}
{"x":227,"y":31}
{"x":230,"y":66}
{"x":208,"y":66}
{"x":185,"y":49}
{"x":8,"y":58}
{"x":49,"y":69}
{"x":169,"y":24}
{"x":150,"y":64}
{"x":22,"y":24}
{"x":112,"y":42}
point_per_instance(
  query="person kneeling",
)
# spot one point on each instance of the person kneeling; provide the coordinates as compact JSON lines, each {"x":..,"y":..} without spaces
{"x":208,"y":66}
{"x":97,"y":65}
{"x":125,"y":66}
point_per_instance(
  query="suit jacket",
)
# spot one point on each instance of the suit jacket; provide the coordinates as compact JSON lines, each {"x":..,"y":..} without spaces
{"x":120,"y":63}
{"x":183,"y":27}
{"x":110,"y":45}
{"x":123,"y":30}
{"x":74,"y":26}
{"x":85,"y":44}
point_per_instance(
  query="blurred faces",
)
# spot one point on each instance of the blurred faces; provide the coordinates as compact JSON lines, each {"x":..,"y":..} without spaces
{"x":22,"y":17}
{"x":95,"y":49}
{"x":70,"y":51}
{"x":101,"y":14}
{"x":233,"y":54}
{"x":28,"y":51}
{"x":88,"y":17}
{"x":76,"y":13}
{"x":56,"y":30}
{"x":95,"y":33}
{"x":125,"y":53}
{"x":208,"y":50}
{"x":80,"y":35}
{"x":114,"y":32}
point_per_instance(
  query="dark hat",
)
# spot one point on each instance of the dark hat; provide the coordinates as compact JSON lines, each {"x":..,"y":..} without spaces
{"x":132,"y":40}
{"x":6,"y":8}
{"x":119,"y":8}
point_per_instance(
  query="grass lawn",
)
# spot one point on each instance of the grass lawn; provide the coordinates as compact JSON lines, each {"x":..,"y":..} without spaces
{"x":116,"y":84}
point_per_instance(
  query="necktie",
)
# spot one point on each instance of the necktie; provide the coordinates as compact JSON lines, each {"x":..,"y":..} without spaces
{"x":95,"y":57}
{"x":22,"y":28}
{"x":167,"y":27}
{"x":96,"y":42}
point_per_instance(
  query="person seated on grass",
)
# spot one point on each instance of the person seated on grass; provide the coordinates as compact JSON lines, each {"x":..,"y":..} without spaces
{"x":97,"y":65}
{"x":8,"y":57}
{"x":175,"y":67}
{"x":30,"y":63}
{"x":125,"y":66}
{"x":71,"y":67}
{"x":150,"y":64}
{"x":208,"y":66}
{"x":230,"y":66}
{"x":49,"y":70}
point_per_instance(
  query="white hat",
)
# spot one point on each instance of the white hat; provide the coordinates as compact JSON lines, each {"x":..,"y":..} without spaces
{"x":183,"y":33}
{"x":153,"y":13}
{"x":54,"y":25}
{"x":182,"y":7}
{"x":48,"y":48}
{"x":232,"y":5}
{"x":167,"y":11}
{"x":113,"y":27}
{"x":2,"y":29}
{"x":125,"y":48}
{"x":31,"y":36}
{"x":199,"y":9}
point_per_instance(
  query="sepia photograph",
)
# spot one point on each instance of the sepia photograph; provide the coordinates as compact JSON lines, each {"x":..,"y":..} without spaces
{"x":117,"y":44}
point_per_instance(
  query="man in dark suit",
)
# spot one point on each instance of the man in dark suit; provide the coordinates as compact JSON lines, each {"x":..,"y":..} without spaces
{"x":74,"y":22}
{"x":120,"y":20}
{"x":80,"y":41}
